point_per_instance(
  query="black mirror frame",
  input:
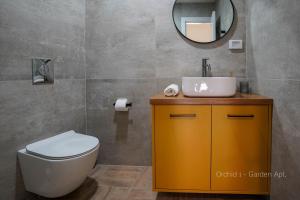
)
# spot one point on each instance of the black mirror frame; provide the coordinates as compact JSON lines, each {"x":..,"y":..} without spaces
{"x":233,"y":19}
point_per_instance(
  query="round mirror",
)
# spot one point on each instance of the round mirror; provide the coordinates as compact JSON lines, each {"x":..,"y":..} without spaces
{"x":203,"y":21}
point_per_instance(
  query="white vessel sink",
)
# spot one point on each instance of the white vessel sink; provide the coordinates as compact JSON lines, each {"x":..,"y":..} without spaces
{"x":209,"y":86}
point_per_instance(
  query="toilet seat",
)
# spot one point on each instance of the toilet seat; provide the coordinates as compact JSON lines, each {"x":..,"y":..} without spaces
{"x":63,"y":146}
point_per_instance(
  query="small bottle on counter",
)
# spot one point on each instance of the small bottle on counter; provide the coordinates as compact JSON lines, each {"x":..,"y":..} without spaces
{"x":244,"y":87}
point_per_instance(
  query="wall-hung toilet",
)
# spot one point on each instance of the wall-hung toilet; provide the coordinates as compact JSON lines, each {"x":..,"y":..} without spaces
{"x":56,"y":166}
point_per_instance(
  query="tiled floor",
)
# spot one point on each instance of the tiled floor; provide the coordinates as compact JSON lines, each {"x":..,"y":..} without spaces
{"x":114,"y":182}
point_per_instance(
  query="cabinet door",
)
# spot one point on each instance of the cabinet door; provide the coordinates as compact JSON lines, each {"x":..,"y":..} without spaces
{"x":240,"y":149}
{"x":182,"y":140}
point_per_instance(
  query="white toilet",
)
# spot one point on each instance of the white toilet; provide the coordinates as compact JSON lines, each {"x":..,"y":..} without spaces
{"x":56,"y":166}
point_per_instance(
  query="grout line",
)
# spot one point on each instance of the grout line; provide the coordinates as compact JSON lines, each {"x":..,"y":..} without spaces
{"x":152,"y":78}
{"x":140,"y":177}
{"x":107,"y":193}
{"x":246,"y":40}
{"x":85,"y":65}
{"x":66,"y":79}
{"x":86,"y":117}
{"x":128,"y":193}
{"x":274,"y":79}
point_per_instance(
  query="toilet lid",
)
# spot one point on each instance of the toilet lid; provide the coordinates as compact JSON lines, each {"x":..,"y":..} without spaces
{"x":65,"y":145}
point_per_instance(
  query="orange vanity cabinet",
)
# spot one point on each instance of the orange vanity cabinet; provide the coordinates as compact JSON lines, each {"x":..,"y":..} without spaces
{"x":211,"y":145}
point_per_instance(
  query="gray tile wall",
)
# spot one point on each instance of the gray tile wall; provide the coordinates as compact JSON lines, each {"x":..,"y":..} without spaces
{"x":38,"y":28}
{"x":134,"y":51}
{"x":273,"y":66}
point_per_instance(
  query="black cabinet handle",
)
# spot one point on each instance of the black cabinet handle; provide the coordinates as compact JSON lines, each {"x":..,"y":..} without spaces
{"x":182,"y":116}
{"x":231,"y":116}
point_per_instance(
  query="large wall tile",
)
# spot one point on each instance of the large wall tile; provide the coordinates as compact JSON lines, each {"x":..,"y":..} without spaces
{"x":125,"y":137}
{"x":50,"y":29}
{"x":276,"y":34}
{"x":120,"y":45}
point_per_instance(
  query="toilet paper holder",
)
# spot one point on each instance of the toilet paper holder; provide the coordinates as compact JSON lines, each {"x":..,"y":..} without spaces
{"x":129,"y":104}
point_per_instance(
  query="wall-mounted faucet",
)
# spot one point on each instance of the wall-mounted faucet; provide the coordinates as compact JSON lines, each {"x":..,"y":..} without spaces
{"x":206,"y":69}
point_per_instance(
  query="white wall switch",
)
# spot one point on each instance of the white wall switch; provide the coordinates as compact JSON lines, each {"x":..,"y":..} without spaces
{"x":235,"y":44}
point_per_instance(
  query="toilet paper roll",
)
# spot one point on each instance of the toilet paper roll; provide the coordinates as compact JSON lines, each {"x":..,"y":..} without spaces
{"x":121,"y":104}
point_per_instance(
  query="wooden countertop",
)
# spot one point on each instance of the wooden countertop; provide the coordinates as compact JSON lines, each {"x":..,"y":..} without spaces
{"x":238,"y":99}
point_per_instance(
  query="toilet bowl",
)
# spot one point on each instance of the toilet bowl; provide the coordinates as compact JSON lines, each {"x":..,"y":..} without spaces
{"x":56,"y":166}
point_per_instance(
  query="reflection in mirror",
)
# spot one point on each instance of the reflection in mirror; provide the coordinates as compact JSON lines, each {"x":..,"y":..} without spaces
{"x":203,"y":21}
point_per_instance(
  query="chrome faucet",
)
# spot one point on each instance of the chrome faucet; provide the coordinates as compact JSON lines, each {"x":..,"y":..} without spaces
{"x":206,"y":69}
